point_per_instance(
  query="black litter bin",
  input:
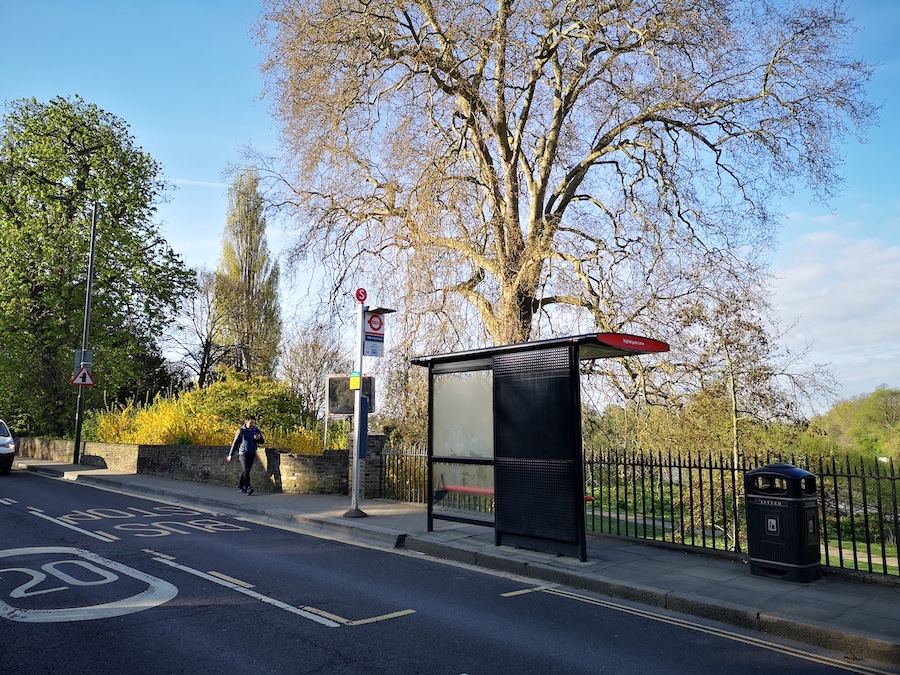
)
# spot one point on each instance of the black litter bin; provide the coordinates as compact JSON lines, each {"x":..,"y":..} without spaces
{"x":782,"y":522}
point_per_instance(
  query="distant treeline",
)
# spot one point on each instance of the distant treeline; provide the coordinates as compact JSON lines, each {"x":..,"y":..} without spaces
{"x":867,"y":425}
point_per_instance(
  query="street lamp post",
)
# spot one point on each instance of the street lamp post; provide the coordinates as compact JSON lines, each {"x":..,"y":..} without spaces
{"x":79,"y":405}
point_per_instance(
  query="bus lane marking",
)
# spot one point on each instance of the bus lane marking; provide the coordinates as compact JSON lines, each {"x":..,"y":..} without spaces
{"x":112,"y":537}
{"x":701,"y":628}
{"x":157,"y":528}
{"x":57,"y":521}
{"x":253,"y":594}
{"x":383,"y":617}
{"x":129,"y":513}
{"x":157,"y":554}
{"x":164,"y":528}
{"x":526,"y":591}
{"x":312,"y":613}
{"x":231,"y":579}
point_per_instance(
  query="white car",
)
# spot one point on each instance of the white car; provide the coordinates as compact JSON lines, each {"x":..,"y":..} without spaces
{"x":7,"y":449}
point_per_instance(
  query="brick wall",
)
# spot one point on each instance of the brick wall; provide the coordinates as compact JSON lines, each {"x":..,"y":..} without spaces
{"x":314,"y":474}
{"x":50,"y":449}
{"x":115,"y":456}
{"x":274,"y":471}
{"x":370,"y":485}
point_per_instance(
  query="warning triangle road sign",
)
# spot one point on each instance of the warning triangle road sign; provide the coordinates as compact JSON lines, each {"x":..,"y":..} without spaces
{"x":83,"y":378}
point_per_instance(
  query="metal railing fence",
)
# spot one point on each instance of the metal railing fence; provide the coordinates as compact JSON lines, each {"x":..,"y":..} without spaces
{"x":697,"y":500}
{"x":404,"y":475}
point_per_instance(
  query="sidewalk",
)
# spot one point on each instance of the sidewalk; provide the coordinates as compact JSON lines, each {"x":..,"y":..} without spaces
{"x":856,"y":618}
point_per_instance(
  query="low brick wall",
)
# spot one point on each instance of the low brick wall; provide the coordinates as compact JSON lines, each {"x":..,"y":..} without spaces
{"x":274,"y":470}
{"x":115,"y":456}
{"x":314,"y":474}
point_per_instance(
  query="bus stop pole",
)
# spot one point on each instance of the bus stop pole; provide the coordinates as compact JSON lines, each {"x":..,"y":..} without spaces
{"x":359,"y":427}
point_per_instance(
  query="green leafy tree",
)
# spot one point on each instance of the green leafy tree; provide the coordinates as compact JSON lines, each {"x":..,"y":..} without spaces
{"x":246,"y":288}
{"x":868,"y":425}
{"x":56,"y":159}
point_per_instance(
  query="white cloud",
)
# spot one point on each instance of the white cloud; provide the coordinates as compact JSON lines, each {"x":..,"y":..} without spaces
{"x":845,"y":296}
{"x":199,"y":183}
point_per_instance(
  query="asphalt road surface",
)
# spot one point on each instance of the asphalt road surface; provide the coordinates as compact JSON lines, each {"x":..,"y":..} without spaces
{"x":94,"y":581}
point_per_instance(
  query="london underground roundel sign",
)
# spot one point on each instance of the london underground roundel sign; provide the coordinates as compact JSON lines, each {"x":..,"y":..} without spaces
{"x":375,"y":323}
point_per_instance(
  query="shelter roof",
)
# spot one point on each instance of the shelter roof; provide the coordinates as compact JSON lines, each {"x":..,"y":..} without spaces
{"x":591,"y":346}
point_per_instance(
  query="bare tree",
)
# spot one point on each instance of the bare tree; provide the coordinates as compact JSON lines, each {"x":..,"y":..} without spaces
{"x":734,"y":344}
{"x":544,"y":164}
{"x":311,"y":352}
{"x":197,"y":330}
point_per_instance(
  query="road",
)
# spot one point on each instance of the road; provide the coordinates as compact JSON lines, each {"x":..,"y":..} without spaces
{"x":94,"y":581}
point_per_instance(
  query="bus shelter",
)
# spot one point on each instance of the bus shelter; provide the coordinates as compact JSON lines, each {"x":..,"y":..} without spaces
{"x":504,"y":437}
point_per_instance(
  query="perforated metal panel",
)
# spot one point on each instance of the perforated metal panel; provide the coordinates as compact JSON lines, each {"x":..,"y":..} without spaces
{"x":534,"y":411}
{"x":532,"y":363}
{"x":537,"y":450}
{"x":542,"y":506}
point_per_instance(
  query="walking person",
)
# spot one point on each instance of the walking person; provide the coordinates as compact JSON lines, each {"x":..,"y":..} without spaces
{"x":245,"y":443}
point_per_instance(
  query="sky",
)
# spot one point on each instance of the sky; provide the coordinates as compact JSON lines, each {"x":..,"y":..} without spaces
{"x":184,"y":74}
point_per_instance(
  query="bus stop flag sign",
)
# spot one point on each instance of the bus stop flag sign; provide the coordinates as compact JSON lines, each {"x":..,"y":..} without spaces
{"x":373,"y":345}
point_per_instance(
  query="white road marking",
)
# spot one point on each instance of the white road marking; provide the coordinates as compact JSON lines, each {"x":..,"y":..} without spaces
{"x":526,"y":591}
{"x":252,"y":594}
{"x":311,"y":613}
{"x":158,"y":554}
{"x":318,"y":535}
{"x":383,"y":617}
{"x":358,"y":622}
{"x":100,"y":537}
{"x":158,"y":593}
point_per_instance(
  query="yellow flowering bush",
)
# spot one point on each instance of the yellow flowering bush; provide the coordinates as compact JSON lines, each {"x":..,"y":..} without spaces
{"x":166,"y":421}
{"x":210,"y":417}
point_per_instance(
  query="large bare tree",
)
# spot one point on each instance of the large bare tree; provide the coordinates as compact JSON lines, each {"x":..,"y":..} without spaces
{"x":543,"y":164}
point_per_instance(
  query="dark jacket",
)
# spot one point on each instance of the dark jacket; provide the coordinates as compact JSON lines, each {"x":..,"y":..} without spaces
{"x":244,"y":442}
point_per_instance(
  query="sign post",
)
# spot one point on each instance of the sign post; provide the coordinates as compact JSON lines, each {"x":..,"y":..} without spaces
{"x":370,"y":329}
